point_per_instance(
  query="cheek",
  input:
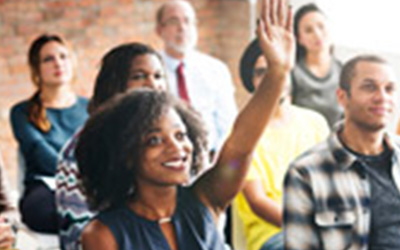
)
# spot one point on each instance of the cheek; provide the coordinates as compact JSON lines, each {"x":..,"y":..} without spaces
{"x":133,"y":84}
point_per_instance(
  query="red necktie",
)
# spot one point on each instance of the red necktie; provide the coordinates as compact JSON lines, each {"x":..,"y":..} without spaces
{"x":182,"y":90}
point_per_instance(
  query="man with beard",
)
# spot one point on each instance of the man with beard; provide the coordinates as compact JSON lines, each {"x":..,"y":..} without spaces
{"x":344,"y":193}
{"x":203,"y":81}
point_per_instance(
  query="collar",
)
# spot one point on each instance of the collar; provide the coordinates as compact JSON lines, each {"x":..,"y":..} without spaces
{"x":345,"y":159}
{"x":173,"y":63}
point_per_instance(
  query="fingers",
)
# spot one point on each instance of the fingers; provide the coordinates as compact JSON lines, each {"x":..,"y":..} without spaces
{"x":275,"y":12}
{"x":289,"y":20}
{"x":264,"y":8}
{"x":272,"y":12}
{"x":281,"y":13}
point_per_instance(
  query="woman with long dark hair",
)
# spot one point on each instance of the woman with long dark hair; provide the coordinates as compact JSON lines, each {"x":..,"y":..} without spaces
{"x":43,"y":123}
{"x":315,"y":76}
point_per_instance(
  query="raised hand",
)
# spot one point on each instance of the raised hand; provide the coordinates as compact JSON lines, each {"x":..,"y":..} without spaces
{"x":275,"y":34}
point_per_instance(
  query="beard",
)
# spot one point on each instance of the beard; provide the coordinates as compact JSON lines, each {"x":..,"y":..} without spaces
{"x":369,"y":126}
{"x":189,"y":43}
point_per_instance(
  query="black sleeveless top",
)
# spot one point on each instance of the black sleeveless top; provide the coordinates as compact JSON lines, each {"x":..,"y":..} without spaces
{"x":193,"y":223}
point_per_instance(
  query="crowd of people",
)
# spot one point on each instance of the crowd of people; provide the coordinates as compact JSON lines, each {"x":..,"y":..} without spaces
{"x":157,"y":155}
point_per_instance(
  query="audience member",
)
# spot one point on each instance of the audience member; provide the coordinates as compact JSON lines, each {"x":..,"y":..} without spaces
{"x":199,"y":79}
{"x":137,"y":152}
{"x":345,"y":192}
{"x":42,"y":124}
{"x":291,"y":131}
{"x":8,"y":213}
{"x":125,"y":67}
{"x":316,"y":73}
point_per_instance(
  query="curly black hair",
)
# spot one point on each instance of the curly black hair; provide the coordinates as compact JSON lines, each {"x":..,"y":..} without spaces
{"x":112,"y":143}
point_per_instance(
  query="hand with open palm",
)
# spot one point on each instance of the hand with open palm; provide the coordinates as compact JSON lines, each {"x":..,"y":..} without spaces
{"x":275,"y":34}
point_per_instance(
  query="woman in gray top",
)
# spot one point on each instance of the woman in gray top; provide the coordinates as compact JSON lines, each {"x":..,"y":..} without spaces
{"x":316,"y":74}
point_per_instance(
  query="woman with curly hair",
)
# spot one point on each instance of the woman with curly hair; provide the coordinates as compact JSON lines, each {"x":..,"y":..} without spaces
{"x":125,"y":67}
{"x":136,"y":155}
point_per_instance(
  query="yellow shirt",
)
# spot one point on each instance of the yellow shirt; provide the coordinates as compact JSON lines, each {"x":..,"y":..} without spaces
{"x":276,"y":149}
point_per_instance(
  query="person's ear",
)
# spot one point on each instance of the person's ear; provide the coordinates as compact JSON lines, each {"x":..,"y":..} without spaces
{"x":342,"y":97}
{"x":158,"y":30}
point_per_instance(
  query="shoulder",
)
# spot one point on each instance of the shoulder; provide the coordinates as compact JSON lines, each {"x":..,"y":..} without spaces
{"x":312,"y":159}
{"x":82,"y":101}
{"x":21,"y":107}
{"x":98,"y":236}
{"x":19,"y":114}
{"x":206,"y":58}
{"x":309,"y":115}
{"x":337,"y":63}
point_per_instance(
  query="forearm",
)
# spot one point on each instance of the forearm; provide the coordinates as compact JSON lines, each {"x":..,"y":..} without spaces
{"x":223,"y":182}
{"x":268,"y":210}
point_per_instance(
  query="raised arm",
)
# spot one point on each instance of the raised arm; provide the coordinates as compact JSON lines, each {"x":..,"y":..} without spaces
{"x":219,"y":185}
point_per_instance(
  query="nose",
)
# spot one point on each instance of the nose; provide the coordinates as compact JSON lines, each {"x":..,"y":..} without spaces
{"x":381,"y":95}
{"x":174,"y":146}
{"x":58,"y":61}
{"x":151,"y":82}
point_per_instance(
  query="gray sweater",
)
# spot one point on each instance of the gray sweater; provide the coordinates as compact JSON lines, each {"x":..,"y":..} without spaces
{"x":316,"y":93}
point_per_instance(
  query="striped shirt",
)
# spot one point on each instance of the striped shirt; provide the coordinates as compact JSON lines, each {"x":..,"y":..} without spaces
{"x":327,"y":200}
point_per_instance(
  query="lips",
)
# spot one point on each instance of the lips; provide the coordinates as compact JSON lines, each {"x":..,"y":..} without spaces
{"x":380,"y":111}
{"x":178,"y":163}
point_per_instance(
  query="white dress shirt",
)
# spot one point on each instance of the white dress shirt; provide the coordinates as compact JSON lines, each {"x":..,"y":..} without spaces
{"x":210,"y":89}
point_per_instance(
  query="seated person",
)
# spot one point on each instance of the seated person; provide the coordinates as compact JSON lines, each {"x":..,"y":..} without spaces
{"x":125,"y":67}
{"x":8,"y":212}
{"x":137,"y":152}
{"x":291,"y":131}
{"x":42,"y":124}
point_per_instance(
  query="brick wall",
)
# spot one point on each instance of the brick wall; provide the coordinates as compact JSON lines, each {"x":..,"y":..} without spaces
{"x":93,"y":27}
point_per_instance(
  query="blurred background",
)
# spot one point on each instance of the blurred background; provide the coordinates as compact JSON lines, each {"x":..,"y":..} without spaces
{"x":225,"y":28}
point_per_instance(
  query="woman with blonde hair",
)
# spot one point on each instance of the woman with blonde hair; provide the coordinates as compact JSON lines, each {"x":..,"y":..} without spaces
{"x":43,"y":123}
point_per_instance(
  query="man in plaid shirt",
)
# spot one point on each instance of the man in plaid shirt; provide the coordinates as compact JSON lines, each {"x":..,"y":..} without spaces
{"x":344,"y":193}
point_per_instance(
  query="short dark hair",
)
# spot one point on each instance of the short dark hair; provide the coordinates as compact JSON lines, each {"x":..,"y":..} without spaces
{"x":113,"y":76}
{"x":300,"y":13}
{"x":112,"y":143}
{"x":348,"y":70}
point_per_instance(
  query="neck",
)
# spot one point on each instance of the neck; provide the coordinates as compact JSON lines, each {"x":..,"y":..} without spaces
{"x":155,"y":203}
{"x":174,"y":54}
{"x":281,"y":115}
{"x":58,"y":96}
{"x":362,"y":141}
{"x":318,"y":57}
{"x":318,"y":63}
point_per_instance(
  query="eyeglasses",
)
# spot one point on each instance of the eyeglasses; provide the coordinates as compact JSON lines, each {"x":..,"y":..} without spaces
{"x":176,"y":22}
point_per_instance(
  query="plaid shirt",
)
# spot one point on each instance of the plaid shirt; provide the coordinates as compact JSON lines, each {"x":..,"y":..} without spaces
{"x":327,"y":197}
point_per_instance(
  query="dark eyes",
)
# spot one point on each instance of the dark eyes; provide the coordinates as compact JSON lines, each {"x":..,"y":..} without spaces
{"x":155,"y":140}
{"x":181,"y":135}
{"x":143,"y":76}
{"x":372,"y":88}
{"x":50,"y":58}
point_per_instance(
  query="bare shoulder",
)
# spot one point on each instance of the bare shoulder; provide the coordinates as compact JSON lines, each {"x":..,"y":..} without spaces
{"x":98,"y":236}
